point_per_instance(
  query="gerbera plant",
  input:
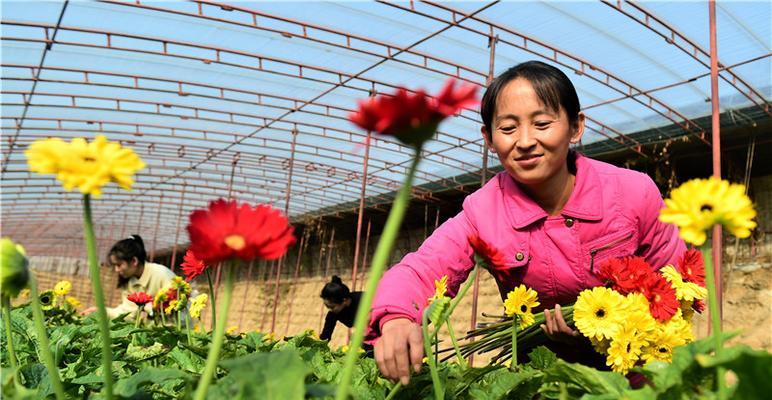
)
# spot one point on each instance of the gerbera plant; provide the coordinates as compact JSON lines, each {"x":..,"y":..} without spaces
{"x":193,"y":267}
{"x":228,"y":231}
{"x":695,"y":207}
{"x":518,"y":305}
{"x":412,"y":118}
{"x":88,"y":166}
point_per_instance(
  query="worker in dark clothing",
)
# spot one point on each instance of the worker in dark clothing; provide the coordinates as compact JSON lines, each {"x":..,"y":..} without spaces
{"x":342,"y":305}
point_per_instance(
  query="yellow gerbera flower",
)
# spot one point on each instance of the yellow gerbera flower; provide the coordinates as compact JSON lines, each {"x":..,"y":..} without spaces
{"x":73,"y":302}
{"x":667,"y":336}
{"x":637,"y":315}
{"x":440,"y":288}
{"x":171,"y":307}
{"x":269,"y":337}
{"x":87,"y":166}
{"x":598,"y":312}
{"x":520,"y":301}
{"x":160,"y":297}
{"x":232,"y":330}
{"x":698,"y":204}
{"x":179,"y":284}
{"x":62,"y":288}
{"x":625,"y":349}
{"x":688,"y":291}
{"x":197,"y":305}
{"x":344,"y":348}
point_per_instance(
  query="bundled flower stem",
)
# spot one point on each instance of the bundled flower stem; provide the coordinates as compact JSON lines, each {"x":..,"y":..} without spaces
{"x":513,"y":365}
{"x":499,"y":336}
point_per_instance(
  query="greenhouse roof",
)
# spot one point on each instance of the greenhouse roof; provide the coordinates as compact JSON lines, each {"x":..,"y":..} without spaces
{"x":250,"y":99}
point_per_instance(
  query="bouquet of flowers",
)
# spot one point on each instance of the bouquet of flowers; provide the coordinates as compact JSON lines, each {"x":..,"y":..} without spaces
{"x":641,"y":315}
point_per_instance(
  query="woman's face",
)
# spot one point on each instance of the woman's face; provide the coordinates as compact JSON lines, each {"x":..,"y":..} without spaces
{"x":126,"y":269}
{"x":530,"y":139}
{"x":336,"y":308}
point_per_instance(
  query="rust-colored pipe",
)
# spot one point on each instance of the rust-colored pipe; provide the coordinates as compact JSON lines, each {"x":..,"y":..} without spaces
{"x":716,"y":149}
{"x":361,"y":212}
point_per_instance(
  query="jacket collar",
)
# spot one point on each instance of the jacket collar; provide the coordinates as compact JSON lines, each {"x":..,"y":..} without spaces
{"x":144,"y":280}
{"x":585,"y":202}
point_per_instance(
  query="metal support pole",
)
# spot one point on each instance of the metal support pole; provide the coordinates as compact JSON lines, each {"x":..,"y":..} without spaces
{"x":716,"y":149}
{"x":177,"y":230}
{"x":155,"y":230}
{"x":361,"y":211}
{"x":476,"y":286}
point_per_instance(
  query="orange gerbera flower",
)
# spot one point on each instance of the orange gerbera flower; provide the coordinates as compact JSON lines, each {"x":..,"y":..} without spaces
{"x":228,"y":230}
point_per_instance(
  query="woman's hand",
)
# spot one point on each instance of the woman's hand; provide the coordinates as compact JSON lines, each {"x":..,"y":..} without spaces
{"x":556,"y":328}
{"x":88,"y":311}
{"x":400,"y":346}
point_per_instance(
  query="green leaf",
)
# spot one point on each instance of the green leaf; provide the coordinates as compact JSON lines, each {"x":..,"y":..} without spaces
{"x":437,"y":310}
{"x":502,"y":384}
{"x":752,"y":367}
{"x":580,"y":379}
{"x":542,"y":358}
{"x":130,"y":386}
{"x":274,"y":375}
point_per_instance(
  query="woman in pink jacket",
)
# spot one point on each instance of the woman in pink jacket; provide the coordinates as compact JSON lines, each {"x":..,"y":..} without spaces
{"x":554,"y":214}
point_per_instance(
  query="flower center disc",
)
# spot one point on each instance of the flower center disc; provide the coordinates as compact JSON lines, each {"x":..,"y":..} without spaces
{"x":235,"y":242}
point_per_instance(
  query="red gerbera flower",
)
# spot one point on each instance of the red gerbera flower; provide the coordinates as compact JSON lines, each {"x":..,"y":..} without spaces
{"x":492,"y":255}
{"x":192,"y":266}
{"x":691,"y":267}
{"x":227,"y":230}
{"x":140,"y":298}
{"x":450,"y":101}
{"x":412,"y":117}
{"x":663,"y":303}
{"x":627,"y":274}
{"x":698,"y":306}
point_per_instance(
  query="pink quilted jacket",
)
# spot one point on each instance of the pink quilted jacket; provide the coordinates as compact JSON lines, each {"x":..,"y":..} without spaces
{"x":612,"y":212}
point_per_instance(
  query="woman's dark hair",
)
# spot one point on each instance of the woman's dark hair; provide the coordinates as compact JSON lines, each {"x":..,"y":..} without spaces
{"x":335,"y":291}
{"x":126,"y":250}
{"x":552,"y":87}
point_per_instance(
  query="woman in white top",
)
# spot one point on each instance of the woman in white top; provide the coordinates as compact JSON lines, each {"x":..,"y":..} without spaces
{"x":135,"y":274}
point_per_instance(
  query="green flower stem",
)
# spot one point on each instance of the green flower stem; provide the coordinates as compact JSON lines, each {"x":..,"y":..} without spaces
{"x":179,"y":313}
{"x":9,"y":335}
{"x":211,"y":298}
{"x":136,"y":325}
{"x":162,"y":311}
{"x":453,"y":303}
{"x":513,"y":364}
{"x":439,"y":393}
{"x":45,"y":346}
{"x":380,"y":258}
{"x":393,"y":392}
{"x":99,"y":298}
{"x":715,"y":319}
{"x":187,"y":330}
{"x":461,"y":360}
{"x":219,"y":334}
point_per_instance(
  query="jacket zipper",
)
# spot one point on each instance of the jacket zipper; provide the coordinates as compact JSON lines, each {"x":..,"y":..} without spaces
{"x":604,"y":247}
